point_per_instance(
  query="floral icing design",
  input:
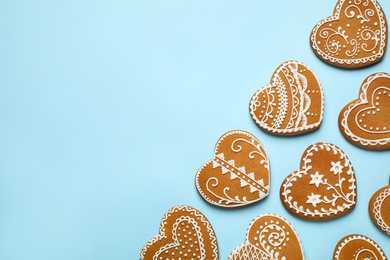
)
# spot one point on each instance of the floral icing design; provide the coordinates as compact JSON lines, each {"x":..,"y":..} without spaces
{"x":238,"y":174}
{"x":314,"y":199}
{"x":316,"y":179}
{"x":336,"y":168}
{"x":269,"y":237}
{"x":328,"y":186}
{"x":355,"y":36}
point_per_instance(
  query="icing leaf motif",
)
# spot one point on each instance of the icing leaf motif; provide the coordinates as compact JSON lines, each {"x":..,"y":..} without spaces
{"x":320,"y":184}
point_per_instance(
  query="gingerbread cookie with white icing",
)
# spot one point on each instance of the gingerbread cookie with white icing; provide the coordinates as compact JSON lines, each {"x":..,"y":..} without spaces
{"x":291,"y":104}
{"x":365,"y":122}
{"x":269,"y":236}
{"x":324,"y":187}
{"x":379,"y":209}
{"x":354,"y":36}
{"x":238,"y":174}
{"x":185,"y":233}
{"x":358,"y":247}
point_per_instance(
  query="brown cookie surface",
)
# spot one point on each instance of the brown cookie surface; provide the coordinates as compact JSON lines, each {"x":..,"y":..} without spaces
{"x":357,"y":247}
{"x":379,"y":209}
{"x":269,"y":236}
{"x":291,"y":104}
{"x":365,"y":122}
{"x":238,"y":174}
{"x":185,"y":233}
{"x":354,"y":36}
{"x":324,"y":187}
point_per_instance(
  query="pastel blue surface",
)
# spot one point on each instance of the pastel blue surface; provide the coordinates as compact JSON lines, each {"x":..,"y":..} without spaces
{"x":109,"y":108}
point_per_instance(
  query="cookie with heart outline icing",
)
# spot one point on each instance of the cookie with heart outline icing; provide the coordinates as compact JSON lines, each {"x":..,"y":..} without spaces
{"x":238,"y":174}
{"x":325,"y":186}
{"x":365,"y":122}
{"x":358,"y":247}
{"x":185,"y":233}
{"x":291,"y":104}
{"x":354,"y":36}
{"x":269,"y":236}
{"x":379,"y":209}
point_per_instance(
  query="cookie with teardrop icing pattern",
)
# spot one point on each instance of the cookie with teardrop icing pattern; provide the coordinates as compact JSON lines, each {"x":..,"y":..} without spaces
{"x":365,"y":121}
{"x":354,"y":36}
{"x":238,"y":174}
{"x":185,"y":233}
{"x":291,"y":104}
{"x":270,"y":237}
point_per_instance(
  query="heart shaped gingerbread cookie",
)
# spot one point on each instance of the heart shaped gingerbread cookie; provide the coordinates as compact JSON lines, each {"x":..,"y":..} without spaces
{"x":365,"y":122}
{"x":379,"y":209}
{"x":357,"y":247}
{"x":269,"y":236}
{"x":238,"y":174}
{"x":291,"y":104}
{"x":354,"y":36}
{"x":185,"y":233}
{"x":324,"y":187}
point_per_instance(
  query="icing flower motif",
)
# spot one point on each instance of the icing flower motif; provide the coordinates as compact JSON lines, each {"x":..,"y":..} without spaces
{"x":314,"y":199}
{"x":316,"y":179}
{"x":337,"y":168}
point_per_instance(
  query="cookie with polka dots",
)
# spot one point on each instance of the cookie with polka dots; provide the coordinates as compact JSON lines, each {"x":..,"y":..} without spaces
{"x":354,"y":36}
{"x":379,"y":209}
{"x":238,"y":174}
{"x":324,"y":187}
{"x":291,"y":104}
{"x":269,"y":236}
{"x":358,"y":247}
{"x":185,"y":233}
{"x":365,"y":122}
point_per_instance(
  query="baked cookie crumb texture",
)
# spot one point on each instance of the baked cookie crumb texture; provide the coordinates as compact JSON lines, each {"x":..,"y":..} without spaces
{"x":354,"y":36}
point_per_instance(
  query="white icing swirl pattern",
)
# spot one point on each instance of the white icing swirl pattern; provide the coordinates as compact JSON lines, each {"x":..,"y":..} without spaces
{"x":360,"y":39}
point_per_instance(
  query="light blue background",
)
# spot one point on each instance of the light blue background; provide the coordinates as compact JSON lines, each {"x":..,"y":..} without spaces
{"x":109,"y":107}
